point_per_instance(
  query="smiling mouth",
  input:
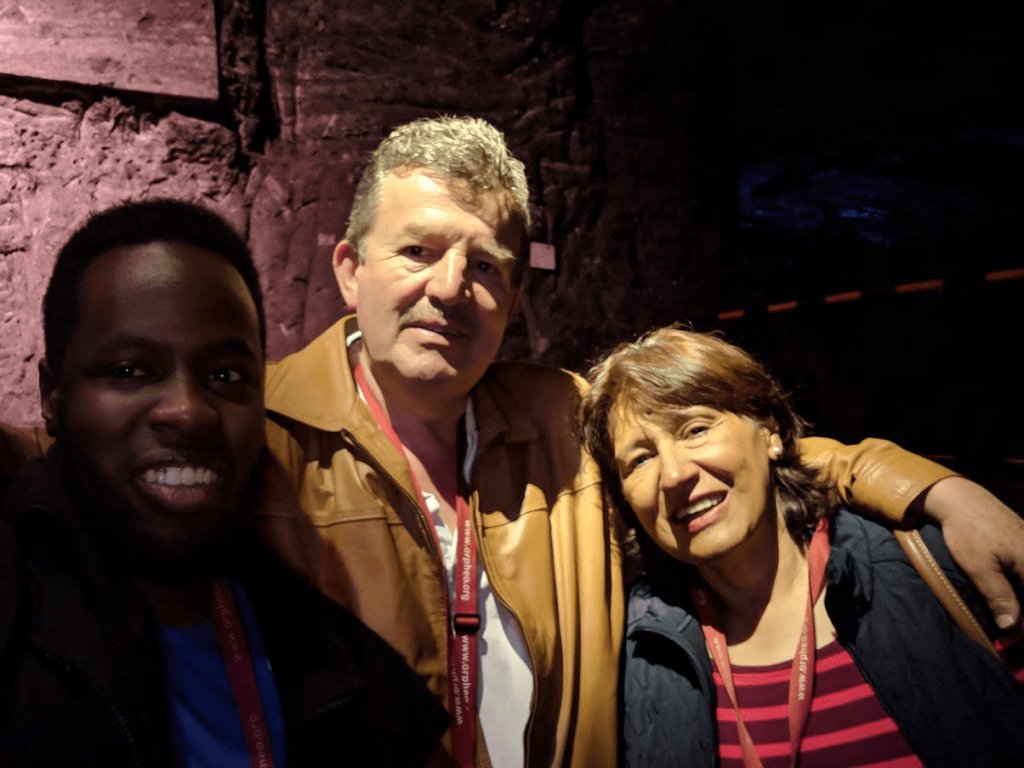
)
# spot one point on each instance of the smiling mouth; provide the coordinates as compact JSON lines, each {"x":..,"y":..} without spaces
{"x":698,"y":508}
{"x":185,"y":476}
{"x":181,"y":488}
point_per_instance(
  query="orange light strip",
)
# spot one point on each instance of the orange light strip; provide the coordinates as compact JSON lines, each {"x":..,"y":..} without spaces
{"x":836,"y":298}
{"x":919,"y":287}
{"x":1005,"y":274}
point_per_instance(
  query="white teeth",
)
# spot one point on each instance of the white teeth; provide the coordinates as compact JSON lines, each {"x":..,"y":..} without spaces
{"x":178,"y":476}
{"x":700,"y":506}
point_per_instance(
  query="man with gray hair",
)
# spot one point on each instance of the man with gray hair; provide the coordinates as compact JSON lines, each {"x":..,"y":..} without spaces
{"x":444,"y":498}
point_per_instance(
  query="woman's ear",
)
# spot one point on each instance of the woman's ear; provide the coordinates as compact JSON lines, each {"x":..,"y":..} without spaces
{"x":49,"y":397}
{"x":774,"y":446}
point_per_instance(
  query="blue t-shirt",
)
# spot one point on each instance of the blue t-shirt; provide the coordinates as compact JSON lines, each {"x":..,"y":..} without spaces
{"x":205,"y":724}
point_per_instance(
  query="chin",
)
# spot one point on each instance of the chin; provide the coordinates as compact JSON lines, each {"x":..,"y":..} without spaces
{"x":150,"y":543}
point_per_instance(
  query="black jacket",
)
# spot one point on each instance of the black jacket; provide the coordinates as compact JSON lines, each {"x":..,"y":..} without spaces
{"x":81,"y":677}
{"x":954,"y":703}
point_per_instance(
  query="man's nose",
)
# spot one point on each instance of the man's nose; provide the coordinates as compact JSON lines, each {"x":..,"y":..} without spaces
{"x":183,"y":405}
{"x":448,"y":283}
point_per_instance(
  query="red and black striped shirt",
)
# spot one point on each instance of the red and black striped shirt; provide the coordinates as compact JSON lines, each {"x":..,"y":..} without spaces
{"x":847,"y":725}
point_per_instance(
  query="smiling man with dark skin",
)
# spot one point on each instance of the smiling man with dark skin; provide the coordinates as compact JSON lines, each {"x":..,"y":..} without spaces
{"x":139,"y":616}
{"x":157,"y":404}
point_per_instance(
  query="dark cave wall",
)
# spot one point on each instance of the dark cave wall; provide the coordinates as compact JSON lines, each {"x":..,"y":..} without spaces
{"x":880,"y":154}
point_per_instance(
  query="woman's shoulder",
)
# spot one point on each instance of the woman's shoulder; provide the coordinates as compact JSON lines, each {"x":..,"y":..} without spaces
{"x":870,"y":554}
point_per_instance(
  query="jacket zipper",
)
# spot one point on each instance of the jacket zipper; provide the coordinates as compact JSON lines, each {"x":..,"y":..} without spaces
{"x":100,"y":694}
{"x":46,"y":509}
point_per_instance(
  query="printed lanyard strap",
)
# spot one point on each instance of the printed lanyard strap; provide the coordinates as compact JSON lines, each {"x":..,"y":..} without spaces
{"x":464,"y":615}
{"x":230,"y":631}
{"x":801,"y":678}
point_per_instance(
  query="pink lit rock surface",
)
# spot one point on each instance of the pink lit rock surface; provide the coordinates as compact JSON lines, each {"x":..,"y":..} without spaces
{"x":58,"y":164}
{"x":155,"y":46}
{"x":602,"y":101}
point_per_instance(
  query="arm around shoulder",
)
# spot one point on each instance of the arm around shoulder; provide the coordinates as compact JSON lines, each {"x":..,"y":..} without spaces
{"x":875,"y":476}
{"x":985,"y":537}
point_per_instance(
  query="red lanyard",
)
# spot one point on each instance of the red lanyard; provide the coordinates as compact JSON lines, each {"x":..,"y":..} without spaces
{"x":227,"y":624}
{"x":464,"y":621}
{"x":801,"y":680}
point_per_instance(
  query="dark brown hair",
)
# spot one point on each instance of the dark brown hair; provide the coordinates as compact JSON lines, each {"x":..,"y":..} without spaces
{"x":673,"y":368}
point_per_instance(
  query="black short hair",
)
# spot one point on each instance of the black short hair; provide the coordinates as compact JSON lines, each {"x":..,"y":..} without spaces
{"x":137,"y":223}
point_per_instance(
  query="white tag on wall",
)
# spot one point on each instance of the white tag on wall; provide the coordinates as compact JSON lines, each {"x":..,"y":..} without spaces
{"x":542,"y":256}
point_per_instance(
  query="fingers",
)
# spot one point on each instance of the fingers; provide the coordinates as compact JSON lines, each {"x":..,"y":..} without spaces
{"x":999,"y":594}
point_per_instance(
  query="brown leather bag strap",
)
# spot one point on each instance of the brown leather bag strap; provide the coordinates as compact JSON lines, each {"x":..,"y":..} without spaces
{"x":923,"y":560}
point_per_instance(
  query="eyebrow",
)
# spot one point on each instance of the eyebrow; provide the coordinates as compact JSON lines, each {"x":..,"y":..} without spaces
{"x":124,"y":342}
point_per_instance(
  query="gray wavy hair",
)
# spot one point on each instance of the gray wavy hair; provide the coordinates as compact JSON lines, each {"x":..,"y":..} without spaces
{"x":465,"y":149}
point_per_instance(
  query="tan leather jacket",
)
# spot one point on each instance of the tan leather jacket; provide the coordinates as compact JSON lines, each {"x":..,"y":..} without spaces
{"x":340,"y":507}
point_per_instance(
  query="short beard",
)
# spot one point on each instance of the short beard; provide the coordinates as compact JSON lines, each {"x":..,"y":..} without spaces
{"x":112,"y":524}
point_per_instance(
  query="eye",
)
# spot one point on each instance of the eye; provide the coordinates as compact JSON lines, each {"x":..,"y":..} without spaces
{"x":417,"y":252}
{"x":226,"y":376}
{"x":486,"y":267}
{"x":694,"y":428}
{"x":124,"y":371}
{"x":632,"y":464}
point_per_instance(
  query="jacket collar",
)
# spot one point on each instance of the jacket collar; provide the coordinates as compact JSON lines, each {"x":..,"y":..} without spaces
{"x":315,"y":386}
{"x":854,"y":548}
{"x":666,"y":613}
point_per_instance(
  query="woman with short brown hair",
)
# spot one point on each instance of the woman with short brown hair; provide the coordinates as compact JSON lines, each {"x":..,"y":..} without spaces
{"x":771,"y":628}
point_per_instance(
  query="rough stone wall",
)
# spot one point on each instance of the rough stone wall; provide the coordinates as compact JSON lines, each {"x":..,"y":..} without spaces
{"x":615,"y":107}
{"x":58,"y":163}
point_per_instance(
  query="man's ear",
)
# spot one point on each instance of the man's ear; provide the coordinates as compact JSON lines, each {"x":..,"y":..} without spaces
{"x":346,"y":263}
{"x":49,"y":397}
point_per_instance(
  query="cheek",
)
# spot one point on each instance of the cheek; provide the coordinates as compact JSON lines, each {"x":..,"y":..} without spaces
{"x":246,"y":430}
{"x":496,"y":301}
{"x":102,"y":418}
{"x":643,"y":501}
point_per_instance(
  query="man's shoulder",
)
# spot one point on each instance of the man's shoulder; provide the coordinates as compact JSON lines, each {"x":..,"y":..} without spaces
{"x":313,"y":385}
{"x":321,"y":351}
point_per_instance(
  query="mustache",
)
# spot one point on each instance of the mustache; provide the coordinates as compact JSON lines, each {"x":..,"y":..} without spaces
{"x":459,"y":317}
